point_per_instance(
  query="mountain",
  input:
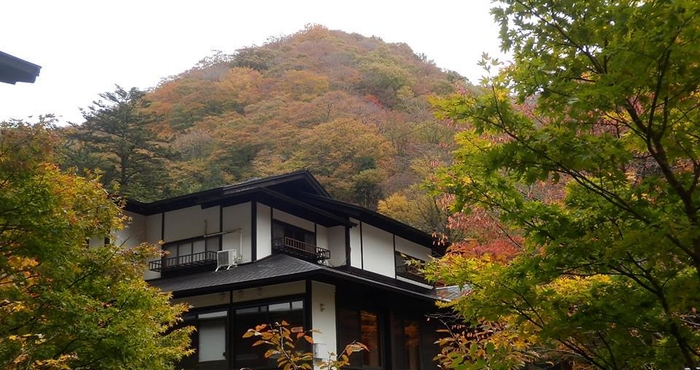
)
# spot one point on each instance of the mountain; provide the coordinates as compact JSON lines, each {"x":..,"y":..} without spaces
{"x":354,"y":110}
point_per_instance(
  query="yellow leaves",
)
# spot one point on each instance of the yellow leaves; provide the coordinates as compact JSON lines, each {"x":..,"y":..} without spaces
{"x":303,"y":85}
{"x":55,"y":290}
{"x":575,"y":286}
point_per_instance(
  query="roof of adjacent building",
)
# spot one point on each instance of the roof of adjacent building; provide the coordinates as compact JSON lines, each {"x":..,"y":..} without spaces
{"x":13,"y":69}
{"x":280,"y":268}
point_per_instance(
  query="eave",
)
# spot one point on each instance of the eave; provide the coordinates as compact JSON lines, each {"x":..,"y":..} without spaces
{"x":290,"y":184}
{"x":13,"y":69}
{"x":280,"y":269}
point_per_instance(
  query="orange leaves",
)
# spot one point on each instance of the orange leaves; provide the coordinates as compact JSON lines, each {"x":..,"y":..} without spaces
{"x":285,"y":342}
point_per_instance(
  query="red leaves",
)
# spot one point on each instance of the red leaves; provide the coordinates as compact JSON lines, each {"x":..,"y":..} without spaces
{"x":486,"y":236}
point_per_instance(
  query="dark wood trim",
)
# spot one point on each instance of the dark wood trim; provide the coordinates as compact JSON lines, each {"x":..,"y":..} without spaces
{"x":308,"y":306}
{"x":270,"y":300}
{"x":393,"y":238}
{"x":162,"y":226}
{"x":253,"y":231}
{"x":229,"y":332}
{"x":385,"y":337}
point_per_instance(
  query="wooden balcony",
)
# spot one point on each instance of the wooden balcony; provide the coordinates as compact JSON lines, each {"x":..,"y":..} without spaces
{"x":183,"y":262}
{"x":300,"y":249}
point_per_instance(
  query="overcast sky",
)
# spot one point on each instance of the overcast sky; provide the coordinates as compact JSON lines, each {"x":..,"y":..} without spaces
{"x":86,"y":47}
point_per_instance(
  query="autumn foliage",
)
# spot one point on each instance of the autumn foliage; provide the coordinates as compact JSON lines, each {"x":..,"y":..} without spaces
{"x":64,"y":303}
{"x":351,"y":109}
{"x":600,"y":105}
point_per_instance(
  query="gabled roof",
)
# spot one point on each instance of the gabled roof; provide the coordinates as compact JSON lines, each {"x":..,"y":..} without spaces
{"x":274,"y":269}
{"x":296,"y":192}
{"x":13,"y":69}
{"x":288,"y":184}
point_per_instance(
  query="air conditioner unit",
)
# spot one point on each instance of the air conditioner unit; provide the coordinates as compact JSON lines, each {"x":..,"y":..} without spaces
{"x":226,"y":258}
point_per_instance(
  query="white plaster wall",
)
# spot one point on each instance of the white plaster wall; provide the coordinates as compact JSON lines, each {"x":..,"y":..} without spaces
{"x":153,"y":235}
{"x":355,"y":245}
{"x":234,"y":218}
{"x":322,"y":237}
{"x":206,"y":300}
{"x":153,"y":228}
{"x":269,"y":291}
{"x":336,"y":244}
{"x":378,"y":250}
{"x":264,"y":231}
{"x":412,"y":249}
{"x":323,"y":317}
{"x":190,"y":222}
{"x":292,"y":220}
{"x":134,"y":232}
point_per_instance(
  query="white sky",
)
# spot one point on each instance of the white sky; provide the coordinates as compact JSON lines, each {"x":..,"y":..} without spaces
{"x":86,"y":47}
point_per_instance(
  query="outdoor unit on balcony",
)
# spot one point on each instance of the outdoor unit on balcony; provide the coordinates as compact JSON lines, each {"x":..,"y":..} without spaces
{"x":226,"y":258}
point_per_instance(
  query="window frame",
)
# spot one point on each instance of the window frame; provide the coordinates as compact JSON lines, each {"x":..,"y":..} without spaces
{"x":411,"y":272}
{"x":237,"y":327}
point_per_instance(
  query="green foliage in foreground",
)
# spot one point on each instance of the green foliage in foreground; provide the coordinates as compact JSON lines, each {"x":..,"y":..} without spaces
{"x":601,"y":100}
{"x":63,"y":303}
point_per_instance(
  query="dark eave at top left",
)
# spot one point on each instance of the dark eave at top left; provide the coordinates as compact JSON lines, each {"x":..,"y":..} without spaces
{"x":13,"y":69}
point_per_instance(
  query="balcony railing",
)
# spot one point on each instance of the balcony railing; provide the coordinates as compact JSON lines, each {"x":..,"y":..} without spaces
{"x":410,"y":272}
{"x":185,"y":261}
{"x":300,"y":249}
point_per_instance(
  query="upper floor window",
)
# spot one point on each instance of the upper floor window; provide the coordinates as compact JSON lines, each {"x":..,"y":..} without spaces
{"x":408,"y":267}
{"x":285,"y":230}
{"x":188,"y":253}
{"x":296,"y":241}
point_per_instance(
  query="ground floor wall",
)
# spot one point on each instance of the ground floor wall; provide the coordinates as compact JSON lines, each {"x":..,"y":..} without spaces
{"x":392,"y":326}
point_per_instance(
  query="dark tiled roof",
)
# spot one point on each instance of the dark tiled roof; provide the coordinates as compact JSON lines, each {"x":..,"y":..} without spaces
{"x":264,"y":270}
{"x":276,"y":269}
{"x":289,"y":184}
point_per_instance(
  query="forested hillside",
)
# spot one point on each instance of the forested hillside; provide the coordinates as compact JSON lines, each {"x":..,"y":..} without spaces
{"x":352,"y":109}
